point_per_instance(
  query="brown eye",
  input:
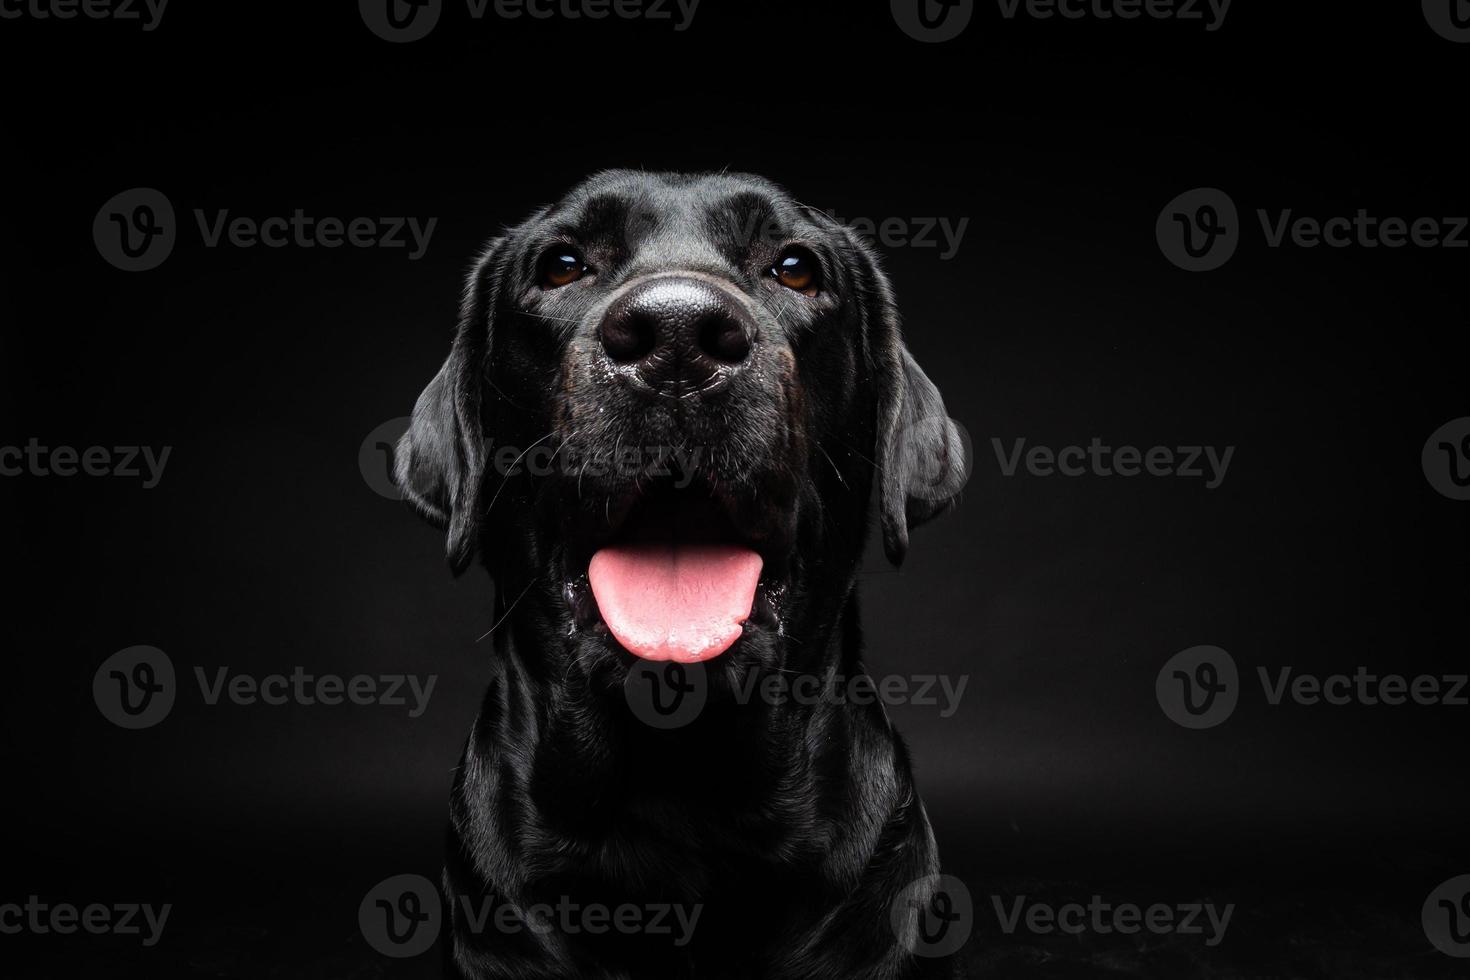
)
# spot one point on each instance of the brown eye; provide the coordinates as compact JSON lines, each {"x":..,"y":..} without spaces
{"x":561,"y":267}
{"x":797,"y":269}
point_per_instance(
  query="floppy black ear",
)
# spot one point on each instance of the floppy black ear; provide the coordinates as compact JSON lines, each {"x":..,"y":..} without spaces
{"x":439,"y":464}
{"x":920,"y":450}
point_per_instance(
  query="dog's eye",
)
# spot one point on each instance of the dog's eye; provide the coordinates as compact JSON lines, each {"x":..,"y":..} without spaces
{"x":561,"y":267}
{"x":797,"y":269}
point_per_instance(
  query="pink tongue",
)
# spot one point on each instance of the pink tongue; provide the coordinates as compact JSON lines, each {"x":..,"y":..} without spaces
{"x":665,"y":601}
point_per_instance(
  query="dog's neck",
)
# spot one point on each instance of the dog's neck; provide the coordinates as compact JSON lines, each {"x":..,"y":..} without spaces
{"x":759,"y":778}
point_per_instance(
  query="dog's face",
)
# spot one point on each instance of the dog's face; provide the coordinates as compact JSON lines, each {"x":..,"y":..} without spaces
{"x":662,"y":419}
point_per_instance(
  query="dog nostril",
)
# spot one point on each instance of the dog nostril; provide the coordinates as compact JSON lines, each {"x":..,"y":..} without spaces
{"x":723,"y":339}
{"x":628,"y":338}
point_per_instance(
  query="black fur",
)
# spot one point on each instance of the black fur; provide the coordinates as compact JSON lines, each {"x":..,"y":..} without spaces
{"x":793,"y":827}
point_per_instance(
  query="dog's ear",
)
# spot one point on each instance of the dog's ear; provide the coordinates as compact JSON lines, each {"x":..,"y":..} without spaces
{"x":439,"y":465}
{"x":921,"y":453}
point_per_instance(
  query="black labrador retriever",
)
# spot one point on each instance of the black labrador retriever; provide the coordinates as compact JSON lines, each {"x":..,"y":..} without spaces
{"x":660,"y":426}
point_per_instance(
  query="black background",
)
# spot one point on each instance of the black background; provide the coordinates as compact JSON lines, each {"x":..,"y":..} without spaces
{"x":263,"y":547}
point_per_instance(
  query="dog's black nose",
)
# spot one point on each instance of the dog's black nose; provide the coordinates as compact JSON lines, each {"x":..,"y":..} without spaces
{"x":681,"y":335}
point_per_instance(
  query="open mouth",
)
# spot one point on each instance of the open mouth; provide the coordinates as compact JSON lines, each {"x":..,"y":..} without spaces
{"x":678,"y":574}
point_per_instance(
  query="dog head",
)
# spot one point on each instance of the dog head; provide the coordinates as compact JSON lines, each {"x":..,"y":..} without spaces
{"x":664,"y":415}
